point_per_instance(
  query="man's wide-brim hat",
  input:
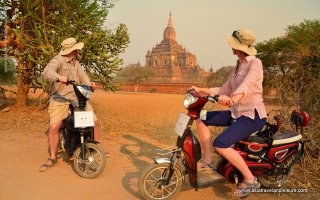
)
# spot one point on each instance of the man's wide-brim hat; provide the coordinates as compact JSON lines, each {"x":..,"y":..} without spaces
{"x":243,"y":40}
{"x":69,"y":45}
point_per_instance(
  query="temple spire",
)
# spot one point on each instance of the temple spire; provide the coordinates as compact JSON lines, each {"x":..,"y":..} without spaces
{"x":170,"y":21}
{"x":169,"y":32}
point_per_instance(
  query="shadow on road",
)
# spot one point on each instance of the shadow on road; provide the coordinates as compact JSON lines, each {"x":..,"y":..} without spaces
{"x":141,"y":154}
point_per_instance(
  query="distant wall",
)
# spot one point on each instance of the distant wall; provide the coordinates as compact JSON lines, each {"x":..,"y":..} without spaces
{"x":169,"y":88}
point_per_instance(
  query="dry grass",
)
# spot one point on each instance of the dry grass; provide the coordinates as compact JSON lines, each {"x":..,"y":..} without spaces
{"x":139,"y":113}
{"x":155,"y":115}
{"x":152,"y":114}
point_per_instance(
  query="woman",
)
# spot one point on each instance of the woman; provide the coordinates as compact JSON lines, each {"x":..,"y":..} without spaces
{"x":242,"y":92}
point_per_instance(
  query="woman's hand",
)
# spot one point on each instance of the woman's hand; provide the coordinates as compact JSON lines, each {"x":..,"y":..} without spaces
{"x":201,"y":91}
{"x":196,"y":89}
{"x":225,"y":101}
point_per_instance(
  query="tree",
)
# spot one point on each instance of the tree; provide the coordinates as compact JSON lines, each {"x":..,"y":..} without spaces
{"x":292,"y":63}
{"x":292,"y":66}
{"x":35,"y":29}
{"x":219,"y":77}
{"x":7,"y":74}
{"x":135,"y":73}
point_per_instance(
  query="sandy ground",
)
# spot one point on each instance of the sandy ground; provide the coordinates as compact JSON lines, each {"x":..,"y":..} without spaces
{"x":23,"y":149}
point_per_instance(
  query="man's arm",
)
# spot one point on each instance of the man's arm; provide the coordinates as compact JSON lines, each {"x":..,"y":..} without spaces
{"x":50,"y":72}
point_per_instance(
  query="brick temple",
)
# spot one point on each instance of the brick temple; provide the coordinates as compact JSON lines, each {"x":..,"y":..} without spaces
{"x":171,"y":61}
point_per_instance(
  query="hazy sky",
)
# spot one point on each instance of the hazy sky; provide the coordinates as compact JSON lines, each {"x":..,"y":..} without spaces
{"x":201,"y":25}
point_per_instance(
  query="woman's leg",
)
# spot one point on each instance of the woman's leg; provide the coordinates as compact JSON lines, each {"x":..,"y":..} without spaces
{"x":242,"y":128}
{"x":214,"y":118}
{"x":205,"y":141}
{"x":237,"y":161}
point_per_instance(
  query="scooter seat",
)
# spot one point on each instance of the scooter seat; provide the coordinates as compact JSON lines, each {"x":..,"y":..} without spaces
{"x":286,"y":137}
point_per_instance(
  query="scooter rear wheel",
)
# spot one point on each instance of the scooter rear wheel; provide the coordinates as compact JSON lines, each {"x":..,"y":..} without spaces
{"x":93,"y":164}
{"x":152,"y":184}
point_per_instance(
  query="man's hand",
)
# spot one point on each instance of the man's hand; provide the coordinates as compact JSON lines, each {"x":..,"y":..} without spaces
{"x":92,"y":85}
{"x":63,"y":79}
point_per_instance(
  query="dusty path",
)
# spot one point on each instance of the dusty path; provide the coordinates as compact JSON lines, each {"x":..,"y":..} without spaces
{"x":23,"y":149}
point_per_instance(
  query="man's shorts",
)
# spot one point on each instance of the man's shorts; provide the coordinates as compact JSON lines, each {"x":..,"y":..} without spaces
{"x":59,"y":111}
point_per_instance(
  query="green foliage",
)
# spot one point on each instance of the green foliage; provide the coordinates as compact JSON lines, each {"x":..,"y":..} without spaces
{"x":219,"y":77}
{"x":43,"y":25}
{"x":292,"y":66}
{"x":7,"y":71}
{"x":134,"y":73}
{"x":153,"y":90}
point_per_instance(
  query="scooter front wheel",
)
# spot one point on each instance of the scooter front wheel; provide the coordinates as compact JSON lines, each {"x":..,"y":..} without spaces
{"x":153,"y":183}
{"x":92,"y":164}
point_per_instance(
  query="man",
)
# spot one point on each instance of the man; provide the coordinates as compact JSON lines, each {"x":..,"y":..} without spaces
{"x":63,"y":67}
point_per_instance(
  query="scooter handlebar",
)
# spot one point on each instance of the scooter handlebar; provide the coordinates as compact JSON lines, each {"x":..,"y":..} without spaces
{"x":74,"y":83}
{"x":213,"y":99}
{"x":68,"y":81}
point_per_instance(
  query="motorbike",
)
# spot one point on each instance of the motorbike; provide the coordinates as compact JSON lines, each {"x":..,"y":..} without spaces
{"x":269,"y":154}
{"x":77,"y":137}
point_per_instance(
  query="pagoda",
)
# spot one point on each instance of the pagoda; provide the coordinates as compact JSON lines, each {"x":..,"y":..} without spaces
{"x":170,"y":59}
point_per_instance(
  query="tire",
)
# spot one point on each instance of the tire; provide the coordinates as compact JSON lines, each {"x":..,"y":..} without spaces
{"x":152,"y":182}
{"x":275,"y":181}
{"x":93,"y":164}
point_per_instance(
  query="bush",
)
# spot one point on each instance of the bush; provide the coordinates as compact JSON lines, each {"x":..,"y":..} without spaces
{"x":153,"y":90}
{"x":7,"y":71}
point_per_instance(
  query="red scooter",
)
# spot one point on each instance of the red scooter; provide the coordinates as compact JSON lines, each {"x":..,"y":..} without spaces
{"x":269,"y":154}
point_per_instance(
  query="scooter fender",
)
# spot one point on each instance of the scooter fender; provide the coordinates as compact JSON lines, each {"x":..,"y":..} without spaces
{"x":163,"y":160}
{"x":168,"y":161}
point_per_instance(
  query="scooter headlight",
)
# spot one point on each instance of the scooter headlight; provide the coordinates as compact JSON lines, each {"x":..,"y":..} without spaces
{"x":85,"y":91}
{"x":188,"y":100}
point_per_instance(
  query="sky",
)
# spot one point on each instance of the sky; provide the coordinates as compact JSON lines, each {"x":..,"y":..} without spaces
{"x":201,"y":25}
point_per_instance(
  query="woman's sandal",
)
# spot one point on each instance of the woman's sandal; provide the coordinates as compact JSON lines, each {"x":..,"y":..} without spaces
{"x":249,"y":187}
{"x":203,"y":165}
{"x":50,"y":163}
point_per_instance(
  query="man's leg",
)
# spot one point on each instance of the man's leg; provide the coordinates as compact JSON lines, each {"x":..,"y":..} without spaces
{"x":54,"y":138}
{"x":57,"y":112}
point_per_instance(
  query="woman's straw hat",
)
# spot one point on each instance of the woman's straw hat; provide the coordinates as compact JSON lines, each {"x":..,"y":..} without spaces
{"x":243,"y":40}
{"x":69,"y":45}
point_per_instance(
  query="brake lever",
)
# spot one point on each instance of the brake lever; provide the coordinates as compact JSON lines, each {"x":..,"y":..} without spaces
{"x":213,"y":99}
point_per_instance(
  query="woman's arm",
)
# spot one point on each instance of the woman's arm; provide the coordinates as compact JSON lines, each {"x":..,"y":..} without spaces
{"x":203,"y":91}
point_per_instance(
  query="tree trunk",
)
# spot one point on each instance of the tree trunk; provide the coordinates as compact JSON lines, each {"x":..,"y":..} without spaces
{"x":136,"y":87}
{"x":22,"y":87}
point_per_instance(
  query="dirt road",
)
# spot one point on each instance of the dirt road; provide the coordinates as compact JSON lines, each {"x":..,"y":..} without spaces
{"x":22,"y":152}
{"x":23,"y":149}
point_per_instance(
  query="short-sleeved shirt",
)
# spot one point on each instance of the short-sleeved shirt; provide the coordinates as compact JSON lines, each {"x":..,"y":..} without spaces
{"x":247,"y":79}
{"x":72,"y":70}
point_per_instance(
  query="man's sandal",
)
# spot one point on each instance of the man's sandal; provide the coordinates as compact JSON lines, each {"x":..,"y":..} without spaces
{"x":50,"y":163}
{"x":203,"y":165}
{"x":249,"y":187}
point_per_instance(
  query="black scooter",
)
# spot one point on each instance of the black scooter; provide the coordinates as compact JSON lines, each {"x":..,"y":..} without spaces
{"x":77,"y":137}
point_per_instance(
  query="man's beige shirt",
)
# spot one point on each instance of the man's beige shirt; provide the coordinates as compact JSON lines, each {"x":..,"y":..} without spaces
{"x":58,"y":66}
